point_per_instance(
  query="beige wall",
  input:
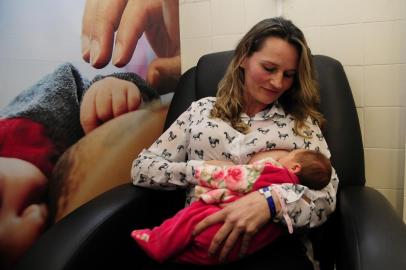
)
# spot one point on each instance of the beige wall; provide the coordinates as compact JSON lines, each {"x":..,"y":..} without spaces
{"x":367,"y":36}
{"x":217,"y":25}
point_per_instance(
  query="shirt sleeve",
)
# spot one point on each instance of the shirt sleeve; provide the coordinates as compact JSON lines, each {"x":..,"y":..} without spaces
{"x":302,"y":206}
{"x":164,"y":165}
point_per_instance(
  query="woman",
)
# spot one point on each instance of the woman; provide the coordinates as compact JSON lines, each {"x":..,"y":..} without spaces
{"x":171,"y":240}
{"x":267,"y":99}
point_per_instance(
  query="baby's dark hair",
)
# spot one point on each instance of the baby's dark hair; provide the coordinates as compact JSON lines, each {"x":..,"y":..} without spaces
{"x":316,"y":169}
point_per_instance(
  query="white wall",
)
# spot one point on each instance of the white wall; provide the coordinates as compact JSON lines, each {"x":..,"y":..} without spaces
{"x":404,"y":189}
{"x":367,"y":36}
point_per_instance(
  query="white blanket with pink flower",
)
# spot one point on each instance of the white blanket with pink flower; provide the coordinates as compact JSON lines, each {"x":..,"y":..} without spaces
{"x":218,"y":184}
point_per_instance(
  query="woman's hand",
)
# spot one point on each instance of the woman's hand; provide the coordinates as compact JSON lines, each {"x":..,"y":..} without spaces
{"x":107,"y":99}
{"x":242,"y":218}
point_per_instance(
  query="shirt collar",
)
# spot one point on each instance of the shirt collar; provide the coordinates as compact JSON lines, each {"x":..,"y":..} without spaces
{"x":272,"y":110}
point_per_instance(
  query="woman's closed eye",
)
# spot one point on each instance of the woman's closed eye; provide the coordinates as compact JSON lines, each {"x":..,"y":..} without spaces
{"x":287,"y":74}
{"x":270,"y":69}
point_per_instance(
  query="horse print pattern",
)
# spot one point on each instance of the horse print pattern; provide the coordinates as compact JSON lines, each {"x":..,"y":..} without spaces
{"x":195,"y":137}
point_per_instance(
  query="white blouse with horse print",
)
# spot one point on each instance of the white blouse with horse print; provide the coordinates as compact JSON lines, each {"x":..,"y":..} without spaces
{"x":195,"y":137}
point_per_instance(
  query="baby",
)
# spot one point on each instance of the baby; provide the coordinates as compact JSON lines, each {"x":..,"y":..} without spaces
{"x":222,"y":184}
{"x":36,"y":128}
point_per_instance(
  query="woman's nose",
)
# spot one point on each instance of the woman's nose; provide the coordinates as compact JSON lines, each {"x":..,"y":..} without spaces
{"x":277,"y":80}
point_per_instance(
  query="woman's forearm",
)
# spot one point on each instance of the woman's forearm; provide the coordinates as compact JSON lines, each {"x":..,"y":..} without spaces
{"x":154,"y":171}
{"x":305,"y":207}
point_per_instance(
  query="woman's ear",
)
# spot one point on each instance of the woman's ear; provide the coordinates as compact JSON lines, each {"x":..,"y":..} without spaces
{"x":243,"y":63}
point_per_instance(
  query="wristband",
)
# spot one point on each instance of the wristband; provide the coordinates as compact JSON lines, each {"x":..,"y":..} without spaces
{"x":268,"y":196}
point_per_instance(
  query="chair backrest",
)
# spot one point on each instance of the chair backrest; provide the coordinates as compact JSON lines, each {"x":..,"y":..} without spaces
{"x":342,"y":130}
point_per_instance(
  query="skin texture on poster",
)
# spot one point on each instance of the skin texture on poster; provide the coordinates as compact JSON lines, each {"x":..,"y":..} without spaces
{"x":100,"y":160}
{"x":112,"y":111}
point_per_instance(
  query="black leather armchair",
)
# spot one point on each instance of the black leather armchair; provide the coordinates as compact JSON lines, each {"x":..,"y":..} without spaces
{"x":364,"y":232}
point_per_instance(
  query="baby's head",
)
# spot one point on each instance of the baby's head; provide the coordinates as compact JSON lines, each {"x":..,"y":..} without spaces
{"x":312,"y":167}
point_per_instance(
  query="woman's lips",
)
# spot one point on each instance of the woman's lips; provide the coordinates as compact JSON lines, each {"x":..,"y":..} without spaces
{"x":274,"y":92}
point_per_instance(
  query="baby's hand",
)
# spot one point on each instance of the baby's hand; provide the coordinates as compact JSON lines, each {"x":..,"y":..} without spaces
{"x":107,"y":99}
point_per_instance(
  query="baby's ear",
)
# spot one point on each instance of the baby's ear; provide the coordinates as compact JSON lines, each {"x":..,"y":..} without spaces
{"x":295,"y":167}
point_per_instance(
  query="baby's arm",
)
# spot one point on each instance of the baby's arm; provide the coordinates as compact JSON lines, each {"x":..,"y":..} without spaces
{"x":233,"y":178}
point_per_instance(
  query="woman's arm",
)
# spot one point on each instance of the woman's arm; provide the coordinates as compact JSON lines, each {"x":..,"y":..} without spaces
{"x":163,"y":165}
{"x":303,"y":207}
{"x":242,"y":218}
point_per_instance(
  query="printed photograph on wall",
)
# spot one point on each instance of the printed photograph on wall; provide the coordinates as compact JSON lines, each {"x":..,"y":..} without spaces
{"x":76,"y":82}
{"x":36,"y":37}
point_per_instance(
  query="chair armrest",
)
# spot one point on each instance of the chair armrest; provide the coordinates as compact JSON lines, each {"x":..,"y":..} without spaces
{"x":99,"y":231}
{"x":372,"y":236}
{"x":97,"y":236}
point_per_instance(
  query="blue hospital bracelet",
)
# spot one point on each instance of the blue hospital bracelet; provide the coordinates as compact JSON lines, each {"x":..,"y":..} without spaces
{"x":268,"y":196}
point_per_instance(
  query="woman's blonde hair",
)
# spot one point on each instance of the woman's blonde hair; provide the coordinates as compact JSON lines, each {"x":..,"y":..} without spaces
{"x":301,"y":101}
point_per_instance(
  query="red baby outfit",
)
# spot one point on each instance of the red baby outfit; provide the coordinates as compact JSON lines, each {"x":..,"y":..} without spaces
{"x":27,"y":140}
{"x":173,"y":238}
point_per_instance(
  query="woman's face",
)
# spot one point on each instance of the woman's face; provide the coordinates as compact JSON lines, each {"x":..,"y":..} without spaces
{"x":268,"y":73}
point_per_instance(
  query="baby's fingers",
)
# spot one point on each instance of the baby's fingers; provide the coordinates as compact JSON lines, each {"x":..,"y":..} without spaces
{"x":104,"y":105}
{"x":126,"y":98}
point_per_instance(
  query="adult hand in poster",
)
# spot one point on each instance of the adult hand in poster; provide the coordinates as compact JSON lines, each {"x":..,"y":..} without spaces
{"x":158,"y":19}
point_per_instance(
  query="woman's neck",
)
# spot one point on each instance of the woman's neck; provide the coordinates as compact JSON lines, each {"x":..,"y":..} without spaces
{"x":253,"y":109}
